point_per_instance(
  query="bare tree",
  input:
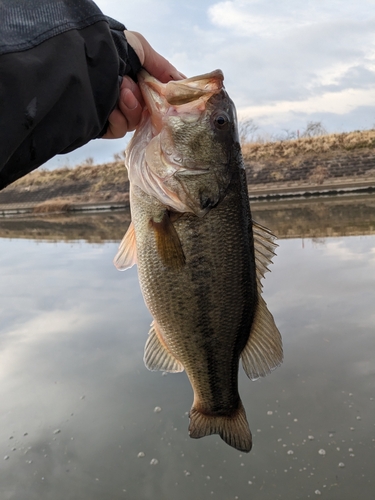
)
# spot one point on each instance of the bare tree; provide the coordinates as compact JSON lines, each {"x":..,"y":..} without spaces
{"x":313,"y":129}
{"x":288,"y":135}
{"x":120,"y":156}
{"x":246,"y":130}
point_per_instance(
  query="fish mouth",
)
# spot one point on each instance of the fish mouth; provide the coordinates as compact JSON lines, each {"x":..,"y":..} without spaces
{"x":170,"y":98}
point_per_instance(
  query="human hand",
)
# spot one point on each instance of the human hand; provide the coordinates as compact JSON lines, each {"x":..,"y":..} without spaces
{"x":127,"y":115}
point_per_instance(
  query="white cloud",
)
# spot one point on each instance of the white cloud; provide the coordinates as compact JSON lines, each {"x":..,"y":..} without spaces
{"x":339,"y":103}
{"x":39,"y":330}
{"x":299,"y":61}
{"x":246,"y":19}
{"x":276,"y":18}
{"x":359,"y":251}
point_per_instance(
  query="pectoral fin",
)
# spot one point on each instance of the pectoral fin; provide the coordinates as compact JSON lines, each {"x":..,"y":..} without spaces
{"x":126,"y":256}
{"x":168,"y":243}
{"x":157,"y":355}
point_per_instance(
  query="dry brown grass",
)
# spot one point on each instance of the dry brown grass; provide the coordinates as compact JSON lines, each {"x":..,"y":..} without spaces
{"x":310,"y":145}
{"x":52,"y":206}
{"x":96,"y":175}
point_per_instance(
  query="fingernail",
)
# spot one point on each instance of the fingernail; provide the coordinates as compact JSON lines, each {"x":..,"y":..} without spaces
{"x":129,"y":99}
{"x":177,"y":76}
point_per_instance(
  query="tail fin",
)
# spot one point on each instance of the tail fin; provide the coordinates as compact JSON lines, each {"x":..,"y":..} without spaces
{"x":234,"y":429}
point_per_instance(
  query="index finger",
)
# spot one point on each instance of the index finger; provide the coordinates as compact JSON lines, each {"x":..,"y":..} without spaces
{"x":161,"y":68}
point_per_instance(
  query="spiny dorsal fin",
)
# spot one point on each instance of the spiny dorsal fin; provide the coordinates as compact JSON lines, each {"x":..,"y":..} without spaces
{"x":263,"y":351}
{"x":264,"y":246}
{"x":126,"y":256}
{"x":168,"y":243}
{"x":157,"y":355}
{"x":233,"y":429}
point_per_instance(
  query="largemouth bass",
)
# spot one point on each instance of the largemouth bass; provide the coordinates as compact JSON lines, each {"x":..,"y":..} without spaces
{"x":200,"y":256}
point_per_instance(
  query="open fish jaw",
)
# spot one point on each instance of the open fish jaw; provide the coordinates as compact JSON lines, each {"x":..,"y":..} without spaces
{"x":179,"y":153}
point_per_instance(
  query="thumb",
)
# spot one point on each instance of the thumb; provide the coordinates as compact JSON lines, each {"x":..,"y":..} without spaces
{"x":152,"y":61}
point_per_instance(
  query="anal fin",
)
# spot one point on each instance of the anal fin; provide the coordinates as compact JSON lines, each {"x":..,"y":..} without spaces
{"x":157,"y":355}
{"x":126,"y":255}
{"x":263,"y":351}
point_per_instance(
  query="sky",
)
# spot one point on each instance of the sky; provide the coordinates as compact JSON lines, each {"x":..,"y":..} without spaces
{"x":285,"y":62}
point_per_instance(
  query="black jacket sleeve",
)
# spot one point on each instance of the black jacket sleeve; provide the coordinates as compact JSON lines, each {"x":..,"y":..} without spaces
{"x":61,"y":63}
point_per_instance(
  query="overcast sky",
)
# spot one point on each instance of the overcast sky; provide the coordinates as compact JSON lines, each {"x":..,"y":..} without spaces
{"x":285,"y":62}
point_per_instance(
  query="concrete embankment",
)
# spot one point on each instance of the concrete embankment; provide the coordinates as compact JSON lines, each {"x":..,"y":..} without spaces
{"x":329,"y":164}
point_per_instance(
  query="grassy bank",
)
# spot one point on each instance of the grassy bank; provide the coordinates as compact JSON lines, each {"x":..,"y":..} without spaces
{"x":320,"y":145}
{"x":113,"y":173}
{"x":298,"y":161}
{"x":97,"y":175}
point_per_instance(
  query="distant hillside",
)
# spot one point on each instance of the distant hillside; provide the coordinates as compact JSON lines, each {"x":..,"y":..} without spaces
{"x":321,"y":145}
{"x":318,"y":164}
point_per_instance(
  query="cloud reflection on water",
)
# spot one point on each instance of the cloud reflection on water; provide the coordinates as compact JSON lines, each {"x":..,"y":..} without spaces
{"x":71,"y":345}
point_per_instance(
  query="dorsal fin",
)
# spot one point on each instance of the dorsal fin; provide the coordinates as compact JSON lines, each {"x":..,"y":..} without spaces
{"x":157,"y":355}
{"x":126,"y":256}
{"x":263,"y":351}
{"x":264,"y":245}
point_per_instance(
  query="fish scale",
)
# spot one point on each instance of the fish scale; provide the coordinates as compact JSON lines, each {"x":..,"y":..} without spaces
{"x":192,"y":239}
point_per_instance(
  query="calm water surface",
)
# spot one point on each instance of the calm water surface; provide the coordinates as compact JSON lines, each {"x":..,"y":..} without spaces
{"x":81,"y":418}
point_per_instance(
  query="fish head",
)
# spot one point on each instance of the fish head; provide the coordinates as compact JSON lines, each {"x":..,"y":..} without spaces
{"x":192,"y":141}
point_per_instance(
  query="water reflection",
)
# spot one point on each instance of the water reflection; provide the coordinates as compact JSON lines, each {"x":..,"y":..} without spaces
{"x":318,"y":217}
{"x":296,"y":218}
{"x":77,"y":413}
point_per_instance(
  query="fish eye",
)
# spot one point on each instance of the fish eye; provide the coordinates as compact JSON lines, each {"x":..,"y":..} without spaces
{"x":221,"y":119}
